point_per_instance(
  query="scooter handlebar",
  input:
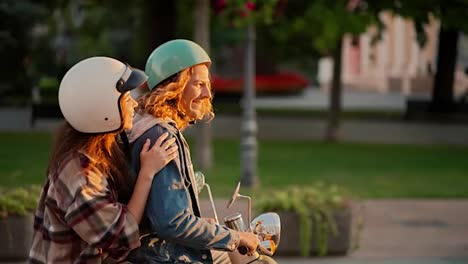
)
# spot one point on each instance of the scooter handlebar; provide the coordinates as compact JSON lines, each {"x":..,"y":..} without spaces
{"x":260,"y":249}
{"x":243,"y":250}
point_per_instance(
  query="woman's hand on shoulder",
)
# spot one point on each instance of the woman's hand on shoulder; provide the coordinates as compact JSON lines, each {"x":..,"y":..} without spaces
{"x":153,"y":159}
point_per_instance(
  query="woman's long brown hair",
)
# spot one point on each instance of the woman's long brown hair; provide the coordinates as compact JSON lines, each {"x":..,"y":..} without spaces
{"x":165,"y":100}
{"x":104,"y":151}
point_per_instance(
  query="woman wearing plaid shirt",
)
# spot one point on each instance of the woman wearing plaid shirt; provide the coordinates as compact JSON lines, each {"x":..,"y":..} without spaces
{"x":80,"y":217}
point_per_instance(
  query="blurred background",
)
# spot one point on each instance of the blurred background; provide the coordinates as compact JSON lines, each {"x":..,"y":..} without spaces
{"x":351,"y":114}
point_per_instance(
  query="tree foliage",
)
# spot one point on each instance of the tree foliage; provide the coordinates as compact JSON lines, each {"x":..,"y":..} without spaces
{"x":451,"y":13}
{"x":319,"y":23}
{"x":18,"y":17}
{"x":239,"y":13}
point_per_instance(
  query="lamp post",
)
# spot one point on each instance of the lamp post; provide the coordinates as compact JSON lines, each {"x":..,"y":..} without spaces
{"x":249,"y":175}
{"x":203,"y":144}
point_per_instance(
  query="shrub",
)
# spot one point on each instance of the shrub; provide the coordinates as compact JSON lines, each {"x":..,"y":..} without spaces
{"x":19,"y":201}
{"x":314,"y":204}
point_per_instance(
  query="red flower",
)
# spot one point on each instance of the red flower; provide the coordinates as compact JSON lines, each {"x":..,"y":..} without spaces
{"x":250,"y":6}
{"x":276,"y":83}
{"x":220,"y":5}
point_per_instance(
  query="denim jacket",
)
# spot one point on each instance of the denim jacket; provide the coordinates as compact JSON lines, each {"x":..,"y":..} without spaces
{"x":176,"y":231}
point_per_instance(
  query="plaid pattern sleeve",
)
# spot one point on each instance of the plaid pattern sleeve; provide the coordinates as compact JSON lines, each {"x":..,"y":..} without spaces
{"x":101,"y":221}
{"x":79,"y":220}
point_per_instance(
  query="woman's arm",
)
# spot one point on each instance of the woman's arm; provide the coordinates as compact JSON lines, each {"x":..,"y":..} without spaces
{"x":152,"y":160}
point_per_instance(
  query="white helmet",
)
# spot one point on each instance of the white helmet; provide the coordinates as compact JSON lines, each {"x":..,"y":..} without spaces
{"x":89,"y":94}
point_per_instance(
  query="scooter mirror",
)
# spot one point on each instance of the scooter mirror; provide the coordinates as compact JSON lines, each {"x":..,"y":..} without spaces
{"x":268,"y":228}
{"x":234,"y":196}
{"x":199,"y":181}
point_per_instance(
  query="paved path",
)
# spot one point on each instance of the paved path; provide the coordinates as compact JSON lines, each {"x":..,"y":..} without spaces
{"x":317,"y":99}
{"x":396,"y":231}
{"x":414,"y":228}
{"x":354,"y":260}
{"x":302,"y":128}
{"x":293,"y":128}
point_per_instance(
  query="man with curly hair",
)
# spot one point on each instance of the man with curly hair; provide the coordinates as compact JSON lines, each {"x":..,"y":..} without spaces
{"x":179,"y":95}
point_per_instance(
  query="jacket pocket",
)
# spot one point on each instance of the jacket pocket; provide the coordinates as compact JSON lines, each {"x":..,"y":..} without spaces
{"x":159,"y":251}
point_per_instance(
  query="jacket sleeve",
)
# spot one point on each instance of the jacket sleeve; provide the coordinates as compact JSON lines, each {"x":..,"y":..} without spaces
{"x":168,"y":208}
{"x":100,"y":220}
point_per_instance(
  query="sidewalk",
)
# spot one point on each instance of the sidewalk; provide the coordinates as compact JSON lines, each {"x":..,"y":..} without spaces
{"x":414,"y":228}
{"x":353,"y":260}
{"x":318,"y":99}
{"x":362,"y":131}
{"x":305,"y":128}
{"x":292,"y":128}
{"x":395,"y":232}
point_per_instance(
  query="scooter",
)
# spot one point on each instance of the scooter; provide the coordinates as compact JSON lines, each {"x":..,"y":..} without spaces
{"x":266,"y":226}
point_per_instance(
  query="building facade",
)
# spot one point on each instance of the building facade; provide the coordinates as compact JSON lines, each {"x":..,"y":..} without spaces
{"x":395,"y":63}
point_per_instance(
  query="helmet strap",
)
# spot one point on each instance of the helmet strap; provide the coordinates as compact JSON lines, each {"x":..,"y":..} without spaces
{"x":183,"y":115}
{"x":126,"y":144}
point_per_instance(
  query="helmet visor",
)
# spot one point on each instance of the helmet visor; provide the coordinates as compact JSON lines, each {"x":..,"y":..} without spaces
{"x":132,"y":78}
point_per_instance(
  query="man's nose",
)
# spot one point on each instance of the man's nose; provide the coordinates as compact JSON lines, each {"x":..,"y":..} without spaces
{"x":134,"y":103}
{"x":205,"y":92}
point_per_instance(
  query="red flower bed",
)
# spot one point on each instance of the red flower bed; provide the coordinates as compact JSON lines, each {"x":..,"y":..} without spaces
{"x":277,"y":83}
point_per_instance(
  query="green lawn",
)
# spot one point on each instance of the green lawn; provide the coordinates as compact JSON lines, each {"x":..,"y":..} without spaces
{"x":366,"y":170}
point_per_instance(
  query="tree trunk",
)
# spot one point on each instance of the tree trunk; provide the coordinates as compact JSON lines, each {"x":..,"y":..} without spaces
{"x":203,"y":147}
{"x":333,"y":126}
{"x":442,"y":94}
{"x":161,"y":22}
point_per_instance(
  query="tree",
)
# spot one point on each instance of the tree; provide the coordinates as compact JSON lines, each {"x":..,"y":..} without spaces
{"x":452,"y":15}
{"x":18,"y":18}
{"x":160,"y":22}
{"x":79,"y":29}
{"x":321,"y":25}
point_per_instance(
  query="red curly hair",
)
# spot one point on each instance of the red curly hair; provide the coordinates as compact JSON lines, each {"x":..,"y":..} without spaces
{"x":165,"y":100}
{"x":103,"y":149}
{"x":106,"y":153}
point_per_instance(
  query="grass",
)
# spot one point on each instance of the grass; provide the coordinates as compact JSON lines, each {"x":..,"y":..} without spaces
{"x":366,"y":170}
{"x":23,"y":158}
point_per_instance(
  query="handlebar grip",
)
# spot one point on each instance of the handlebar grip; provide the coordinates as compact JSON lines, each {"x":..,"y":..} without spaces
{"x":264,"y":251}
{"x":242,"y":250}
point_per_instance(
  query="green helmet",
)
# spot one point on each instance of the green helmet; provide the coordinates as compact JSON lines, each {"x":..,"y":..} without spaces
{"x":172,"y":57}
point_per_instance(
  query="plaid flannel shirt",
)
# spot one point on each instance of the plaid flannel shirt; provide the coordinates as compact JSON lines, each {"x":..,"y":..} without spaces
{"x":79,"y":220}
